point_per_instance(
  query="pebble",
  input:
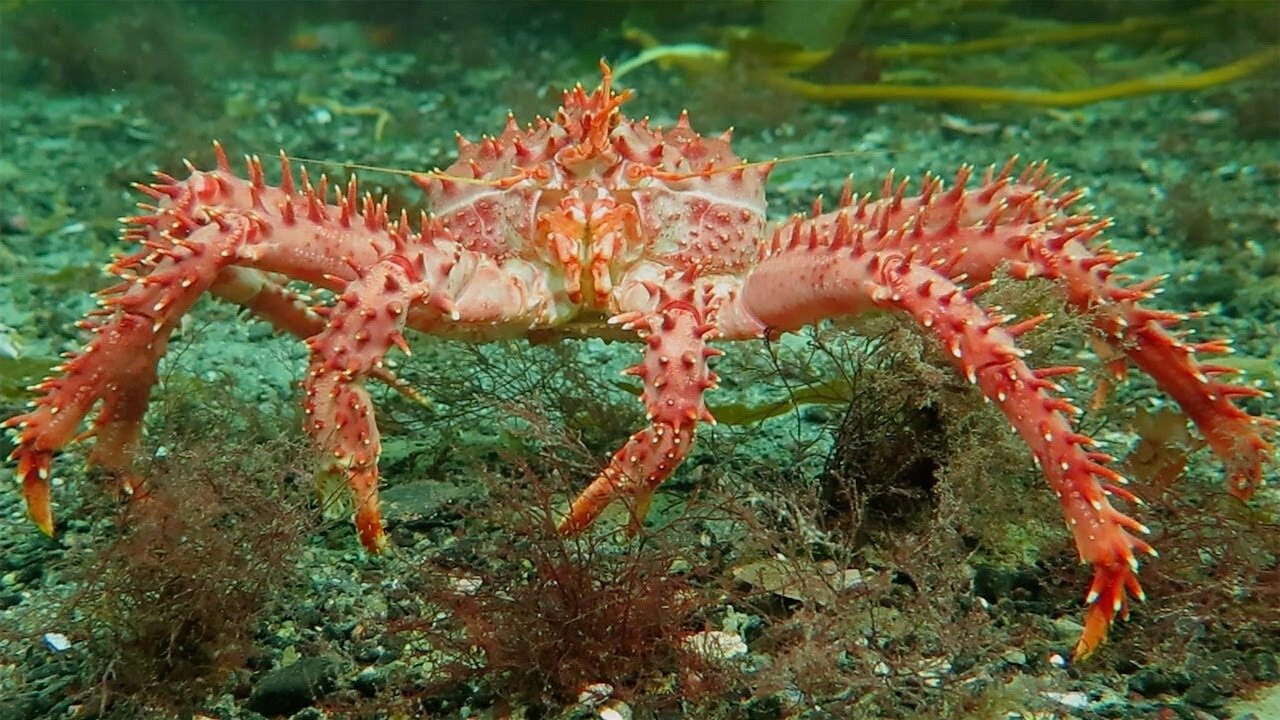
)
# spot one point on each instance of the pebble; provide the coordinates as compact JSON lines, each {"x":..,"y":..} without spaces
{"x":717,"y":645}
{"x":56,"y":642}
{"x":1073,"y":699}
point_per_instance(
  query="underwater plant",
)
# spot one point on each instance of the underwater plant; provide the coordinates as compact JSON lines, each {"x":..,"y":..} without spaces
{"x":794,"y":38}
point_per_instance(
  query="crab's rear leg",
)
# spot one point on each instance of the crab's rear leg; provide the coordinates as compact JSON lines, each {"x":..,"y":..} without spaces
{"x":675,"y":375}
{"x":1027,"y":223}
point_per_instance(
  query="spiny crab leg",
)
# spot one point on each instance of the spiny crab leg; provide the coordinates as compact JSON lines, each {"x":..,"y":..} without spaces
{"x":216,"y":232}
{"x":797,"y":285}
{"x":675,"y":375}
{"x":289,"y":312}
{"x":1023,"y":223}
{"x":368,"y":320}
{"x":118,"y":364}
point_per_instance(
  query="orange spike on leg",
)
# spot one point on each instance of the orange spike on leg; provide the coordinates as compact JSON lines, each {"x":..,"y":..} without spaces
{"x":1108,"y":598}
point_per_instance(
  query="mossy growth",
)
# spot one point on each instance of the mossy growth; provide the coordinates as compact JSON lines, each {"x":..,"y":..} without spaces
{"x":167,"y":608}
{"x":512,"y":615}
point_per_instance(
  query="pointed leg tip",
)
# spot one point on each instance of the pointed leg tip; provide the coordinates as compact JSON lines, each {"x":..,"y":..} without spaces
{"x":1083,"y":650}
{"x":374,"y":540}
{"x":572,"y":524}
{"x":369,"y":526}
{"x":41,"y":514}
{"x":36,"y":493}
{"x":1097,"y":623}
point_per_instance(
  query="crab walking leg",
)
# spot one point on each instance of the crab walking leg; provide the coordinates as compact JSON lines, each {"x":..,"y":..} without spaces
{"x":368,"y":319}
{"x":268,"y":298}
{"x":288,"y":312}
{"x":118,"y":364}
{"x":435,"y":278}
{"x":195,"y":232}
{"x":1141,"y":334}
{"x":675,"y":375}
{"x":1026,"y":223}
{"x":1025,"y":227}
{"x":796,"y":287}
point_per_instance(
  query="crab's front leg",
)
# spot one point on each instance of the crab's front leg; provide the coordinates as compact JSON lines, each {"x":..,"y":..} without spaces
{"x":675,"y":374}
{"x":368,"y":319}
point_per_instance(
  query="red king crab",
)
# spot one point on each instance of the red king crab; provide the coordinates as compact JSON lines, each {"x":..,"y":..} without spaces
{"x":549,"y":229}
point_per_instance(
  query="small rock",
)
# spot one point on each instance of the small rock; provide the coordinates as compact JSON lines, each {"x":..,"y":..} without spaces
{"x":424,"y":504}
{"x":1207,"y":692}
{"x":1214,"y":679}
{"x":369,"y":681}
{"x":995,"y":583}
{"x":1074,"y":699}
{"x":614,"y":710}
{"x":56,"y":642}
{"x":595,"y":693}
{"x":1067,"y":629}
{"x":286,"y":690}
{"x":1263,"y":666}
{"x":1015,"y":657}
{"x":1150,"y":682}
{"x":717,"y":645}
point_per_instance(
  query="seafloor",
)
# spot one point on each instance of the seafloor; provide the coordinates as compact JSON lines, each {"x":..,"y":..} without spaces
{"x":860,"y":537}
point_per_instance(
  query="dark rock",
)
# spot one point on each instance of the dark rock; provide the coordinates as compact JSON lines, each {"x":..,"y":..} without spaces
{"x":1150,"y":682}
{"x":287,"y":690}
{"x":28,"y":574}
{"x":996,"y":583}
{"x":370,"y":653}
{"x":340,"y":629}
{"x":369,"y":681}
{"x":1214,"y":679}
{"x":1207,"y":693}
{"x":424,"y":504}
{"x":308,"y":615}
{"x":1263,"y":666}
{"x":765,"y":707}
